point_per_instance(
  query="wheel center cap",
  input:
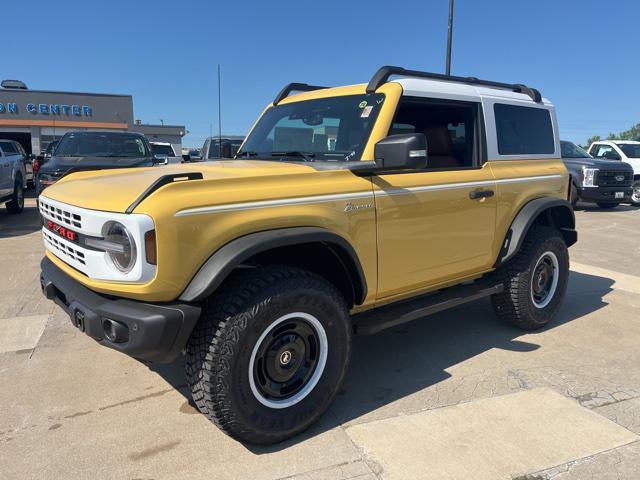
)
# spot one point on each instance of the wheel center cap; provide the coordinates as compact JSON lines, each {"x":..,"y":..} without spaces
{"x":285,"y":357}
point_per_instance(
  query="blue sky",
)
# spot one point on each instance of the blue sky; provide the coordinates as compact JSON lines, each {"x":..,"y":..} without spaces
{"x":581,"y":54}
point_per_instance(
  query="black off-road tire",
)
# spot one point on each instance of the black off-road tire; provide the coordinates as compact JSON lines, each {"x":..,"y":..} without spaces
{"x":635,"y":196}
{"x":16,"y":204}
{"x":608,"y":205}
{"x":220,"y":349}
{"x":516,"y":305}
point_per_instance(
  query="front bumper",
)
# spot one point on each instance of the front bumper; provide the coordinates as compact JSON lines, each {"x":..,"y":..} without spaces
{"x":155,"y":332}
{"x":605,"y":194}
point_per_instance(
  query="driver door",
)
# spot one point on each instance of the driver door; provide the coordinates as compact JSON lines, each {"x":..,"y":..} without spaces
{"x":436,"y":226}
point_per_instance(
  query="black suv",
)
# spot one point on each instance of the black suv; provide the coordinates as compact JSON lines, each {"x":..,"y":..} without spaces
{"x":93,"y":150}
{"x":604,"y":182}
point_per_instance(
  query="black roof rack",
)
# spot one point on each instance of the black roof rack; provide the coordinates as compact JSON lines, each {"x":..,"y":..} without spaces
{"x":295,"y":87}
{"x":382,"y":76}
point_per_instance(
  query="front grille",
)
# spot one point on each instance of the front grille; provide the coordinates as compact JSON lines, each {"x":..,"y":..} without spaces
{"x":607,"y":178}
{"x":63,"y":216}
{"x":63,"y":248}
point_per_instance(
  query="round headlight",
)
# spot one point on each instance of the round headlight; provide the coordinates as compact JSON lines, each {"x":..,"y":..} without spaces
{"x":123,"y":253}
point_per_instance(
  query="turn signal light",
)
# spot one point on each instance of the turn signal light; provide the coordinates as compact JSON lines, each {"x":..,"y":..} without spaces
{"x":150,"y":247}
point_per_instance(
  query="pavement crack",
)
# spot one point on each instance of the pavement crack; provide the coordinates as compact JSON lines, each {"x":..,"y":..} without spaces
{"x":140,"y":398}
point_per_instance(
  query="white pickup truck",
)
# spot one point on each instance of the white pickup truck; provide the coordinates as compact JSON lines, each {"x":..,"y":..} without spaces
{"x":165,"y":148}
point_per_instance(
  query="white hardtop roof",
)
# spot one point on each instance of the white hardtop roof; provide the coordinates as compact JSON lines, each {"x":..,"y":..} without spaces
{"x":159,"y":143}
{"x":423,"y":87}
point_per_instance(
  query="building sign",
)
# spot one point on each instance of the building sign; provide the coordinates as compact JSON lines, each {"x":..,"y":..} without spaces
{"x":46,"y":109}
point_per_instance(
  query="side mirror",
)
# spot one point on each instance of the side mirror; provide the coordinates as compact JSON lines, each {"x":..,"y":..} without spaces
{"x":401,"y":152}
{"x":160,"y":159}
{"x":611,"y":155}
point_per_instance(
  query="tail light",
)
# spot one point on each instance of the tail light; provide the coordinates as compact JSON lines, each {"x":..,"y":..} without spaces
{"x":36,"y":165}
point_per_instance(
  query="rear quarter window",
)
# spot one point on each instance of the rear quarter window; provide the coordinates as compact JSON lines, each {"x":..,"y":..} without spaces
{"x":523,"y":130}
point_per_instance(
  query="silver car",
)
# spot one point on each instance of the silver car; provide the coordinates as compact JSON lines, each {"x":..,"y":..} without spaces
{"x":13,"y":175}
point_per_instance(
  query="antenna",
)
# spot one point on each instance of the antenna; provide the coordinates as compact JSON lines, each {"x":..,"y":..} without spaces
{"x":219,"y":117}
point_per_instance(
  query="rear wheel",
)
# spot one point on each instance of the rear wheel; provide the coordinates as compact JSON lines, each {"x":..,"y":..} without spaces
{"x":269,"y":353}
{"x":16,"y":204}
{"x":608,"y":204}
{"x":535,"y":280}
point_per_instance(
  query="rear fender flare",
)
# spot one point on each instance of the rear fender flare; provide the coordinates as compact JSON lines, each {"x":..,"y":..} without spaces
{"x":555,"y":212}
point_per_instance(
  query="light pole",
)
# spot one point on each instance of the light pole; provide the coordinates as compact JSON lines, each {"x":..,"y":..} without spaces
{"x":449,"y":35}
{"x":219,"y":116}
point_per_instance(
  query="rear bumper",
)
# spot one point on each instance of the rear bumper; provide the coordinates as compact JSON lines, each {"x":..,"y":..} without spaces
{"x":155,"y":333}
{"x":605,"y":194}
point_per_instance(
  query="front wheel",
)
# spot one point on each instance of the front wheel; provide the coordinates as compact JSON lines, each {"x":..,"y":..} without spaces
{"x":535,"y":280}
{"x":573,"y":195}
{"x":269,"y":353}
{"x":635,"y":195}
{"x":16,"y":204}
{"x":608,"y":205}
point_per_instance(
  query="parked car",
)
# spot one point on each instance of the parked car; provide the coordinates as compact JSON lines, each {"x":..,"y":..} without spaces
{"x":627,"y":151}
{"x":230,"y":146}
{"x":192,"y":155}
{"x":44,"y":156}
{"x":604,"y":182}
{"x":13,"y":175}
{"x":262,"y":268}
{"x":95,"y":150}
{"x":160,"y":149}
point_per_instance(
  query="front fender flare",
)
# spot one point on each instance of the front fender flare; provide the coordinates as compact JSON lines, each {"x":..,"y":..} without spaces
{"x":219,"y":265}
{"x":559,"y":214}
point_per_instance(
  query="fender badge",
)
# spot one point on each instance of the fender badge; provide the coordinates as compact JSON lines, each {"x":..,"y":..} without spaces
{"x":350,"y":207}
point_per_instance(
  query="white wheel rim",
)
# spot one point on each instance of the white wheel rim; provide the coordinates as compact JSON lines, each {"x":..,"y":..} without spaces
{"x":323,"y":345}
{"x":554,"y":282}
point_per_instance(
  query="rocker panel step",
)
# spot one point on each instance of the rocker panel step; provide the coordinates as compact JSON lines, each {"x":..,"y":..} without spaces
{"x":376,"y":320}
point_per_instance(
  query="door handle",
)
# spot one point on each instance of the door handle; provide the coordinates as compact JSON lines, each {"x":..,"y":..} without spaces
{"x":479,"y":194}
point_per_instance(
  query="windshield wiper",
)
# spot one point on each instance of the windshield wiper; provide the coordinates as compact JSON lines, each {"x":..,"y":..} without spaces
{"x":306,"y":156}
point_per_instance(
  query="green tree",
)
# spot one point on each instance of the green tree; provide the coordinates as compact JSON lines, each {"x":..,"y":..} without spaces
{"x":590,"y":140}
{"x":632,"y":134}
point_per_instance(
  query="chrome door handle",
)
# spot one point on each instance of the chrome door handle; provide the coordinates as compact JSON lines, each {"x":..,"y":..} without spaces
{"x":479,"y":194}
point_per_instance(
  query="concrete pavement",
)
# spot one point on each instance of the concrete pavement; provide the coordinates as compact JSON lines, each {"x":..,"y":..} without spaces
{"x":457,"y":395}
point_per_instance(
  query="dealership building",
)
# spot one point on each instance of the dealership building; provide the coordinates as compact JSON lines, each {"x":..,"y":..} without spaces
{"x":37,"y":117}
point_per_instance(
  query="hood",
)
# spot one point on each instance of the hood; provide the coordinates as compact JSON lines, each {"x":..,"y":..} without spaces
{"x":116,"y":190}
{"x":597,"y":163}
{"x":59,"y":165}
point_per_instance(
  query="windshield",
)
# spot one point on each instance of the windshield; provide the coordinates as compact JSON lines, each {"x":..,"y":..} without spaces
{"x":229,"y":148}
{"x":326,"y":129}
{"x":162,"y":150}
{"x":107,"y":144}
{"x":571,"y":150}
{"x":631,"y":150}
{"x":51,"y":147}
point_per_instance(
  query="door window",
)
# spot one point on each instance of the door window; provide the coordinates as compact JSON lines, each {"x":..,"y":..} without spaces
{"x":8,"y":148}
{"x":449,"y":127}
{"x":607,"y":152}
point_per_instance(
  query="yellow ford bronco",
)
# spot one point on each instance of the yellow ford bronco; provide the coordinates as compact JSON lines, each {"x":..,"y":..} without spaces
{"x":346,"y":211}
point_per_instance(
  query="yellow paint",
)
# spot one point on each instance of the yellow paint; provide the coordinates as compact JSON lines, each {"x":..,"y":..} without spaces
{"x":420,"y":240}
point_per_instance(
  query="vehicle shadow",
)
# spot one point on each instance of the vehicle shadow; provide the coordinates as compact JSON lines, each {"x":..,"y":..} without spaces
{"x":404,"y":360}
{"x":589,"y":207}
{"x":23,"y":223}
